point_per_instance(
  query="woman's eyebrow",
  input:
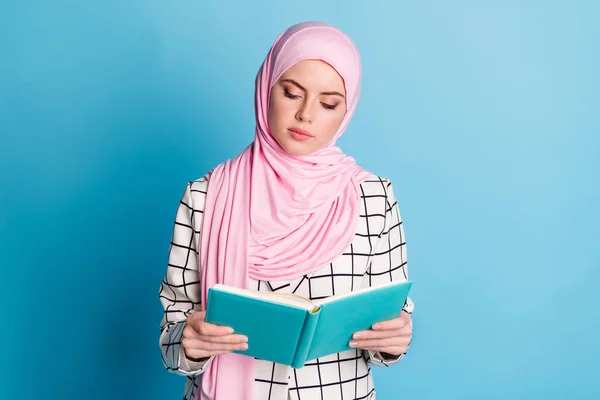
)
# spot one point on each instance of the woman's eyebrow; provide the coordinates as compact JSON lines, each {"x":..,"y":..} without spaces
{"x":331,"y":93}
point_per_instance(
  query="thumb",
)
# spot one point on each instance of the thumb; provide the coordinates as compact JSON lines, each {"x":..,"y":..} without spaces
{"x":196,"y":319}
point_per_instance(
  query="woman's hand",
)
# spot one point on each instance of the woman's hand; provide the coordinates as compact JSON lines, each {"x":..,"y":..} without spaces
{"x":202,"y":340}
{"x":390,"y":337}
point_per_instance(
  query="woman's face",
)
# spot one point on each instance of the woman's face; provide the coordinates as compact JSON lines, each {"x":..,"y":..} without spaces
{"x":307,"y":106}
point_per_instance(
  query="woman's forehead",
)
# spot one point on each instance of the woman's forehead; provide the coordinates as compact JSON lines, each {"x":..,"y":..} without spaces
{"x":314,"y":74}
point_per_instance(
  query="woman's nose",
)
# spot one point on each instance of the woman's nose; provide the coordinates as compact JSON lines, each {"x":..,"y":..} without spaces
{"x":304,"y":114}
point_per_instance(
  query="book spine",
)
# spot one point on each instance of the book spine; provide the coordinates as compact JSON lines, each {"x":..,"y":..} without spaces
{"x":306,"y":336}
{"x":208,"y":315}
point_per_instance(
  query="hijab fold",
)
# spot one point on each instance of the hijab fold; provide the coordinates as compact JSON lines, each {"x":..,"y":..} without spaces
{"x":270,"y":215}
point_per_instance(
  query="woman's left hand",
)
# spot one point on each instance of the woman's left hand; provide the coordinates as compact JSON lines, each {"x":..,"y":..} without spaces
{"x":391,"y":337}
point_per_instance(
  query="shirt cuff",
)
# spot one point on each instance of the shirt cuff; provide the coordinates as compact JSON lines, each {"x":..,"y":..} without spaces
{"x":189,"y":366}
{"x":378,"y":356}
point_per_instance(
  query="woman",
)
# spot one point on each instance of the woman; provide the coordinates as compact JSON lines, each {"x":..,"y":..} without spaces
{"x":291,"y":213}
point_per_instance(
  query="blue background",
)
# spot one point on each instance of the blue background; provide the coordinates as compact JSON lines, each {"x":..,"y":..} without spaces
{"x":483,"y":114}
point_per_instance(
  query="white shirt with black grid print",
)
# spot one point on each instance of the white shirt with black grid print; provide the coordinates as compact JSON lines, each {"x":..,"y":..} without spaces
{"x":376,"y":255}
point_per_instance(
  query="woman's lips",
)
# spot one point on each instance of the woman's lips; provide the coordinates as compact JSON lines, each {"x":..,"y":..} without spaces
{"x":300,"y":134}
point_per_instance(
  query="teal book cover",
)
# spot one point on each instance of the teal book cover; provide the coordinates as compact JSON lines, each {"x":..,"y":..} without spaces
{"x":291,"y":330}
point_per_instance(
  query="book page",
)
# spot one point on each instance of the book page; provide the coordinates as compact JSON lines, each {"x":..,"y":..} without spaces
{"x":330,"y":299}
{"x":289,"y":299}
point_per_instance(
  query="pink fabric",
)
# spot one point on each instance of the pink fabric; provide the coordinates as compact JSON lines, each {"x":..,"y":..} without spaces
{"x":273,"y":216}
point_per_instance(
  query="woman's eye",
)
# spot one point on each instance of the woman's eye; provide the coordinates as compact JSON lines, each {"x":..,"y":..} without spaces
{"x":288,"y":94}
{"x":329,"y":106}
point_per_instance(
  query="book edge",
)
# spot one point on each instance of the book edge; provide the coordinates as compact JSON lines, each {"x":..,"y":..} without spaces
{"x":369,"y":289}
{"x":271,"y":297}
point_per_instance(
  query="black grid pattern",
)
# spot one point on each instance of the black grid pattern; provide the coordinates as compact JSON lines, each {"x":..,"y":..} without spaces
{"x":376,"y":255}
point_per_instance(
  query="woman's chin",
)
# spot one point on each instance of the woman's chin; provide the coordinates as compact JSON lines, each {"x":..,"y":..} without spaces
{"x":296,"y":148}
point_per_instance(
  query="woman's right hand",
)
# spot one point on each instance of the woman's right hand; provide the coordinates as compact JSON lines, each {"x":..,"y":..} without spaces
{"x":202,"y":340}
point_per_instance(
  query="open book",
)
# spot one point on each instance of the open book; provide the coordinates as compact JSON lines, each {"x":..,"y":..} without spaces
{"x":290,"y":329}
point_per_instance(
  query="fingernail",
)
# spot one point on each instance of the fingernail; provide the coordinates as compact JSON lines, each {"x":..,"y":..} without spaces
{"x":356,"y":336}
{"x":376,"y":326}
{"x":353,"y":344}
{"x":245,"y":339}
{"x":244,"y":346}
{"x":230,"y":331}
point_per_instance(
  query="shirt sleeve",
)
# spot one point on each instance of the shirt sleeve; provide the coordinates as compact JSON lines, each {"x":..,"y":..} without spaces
{"x":389,"y":262}
{"x":180,"y":288}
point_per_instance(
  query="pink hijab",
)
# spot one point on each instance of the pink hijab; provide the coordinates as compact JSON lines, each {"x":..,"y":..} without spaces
{"x":270,"y":215}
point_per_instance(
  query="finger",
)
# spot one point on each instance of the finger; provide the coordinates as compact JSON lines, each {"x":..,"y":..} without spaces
{"x":195,"y":332}
{"x":202,"y":345}
{"x":198,"y":323}
{"x":206,"y":329}
{"x":396,"y":323}
{"x":404,"y":331}
{"x":371,"y":334}
{"x":226,"y":339}
{"x":378,"y":343}
{"x":197,"y":344}
{"x":196,"y":354}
